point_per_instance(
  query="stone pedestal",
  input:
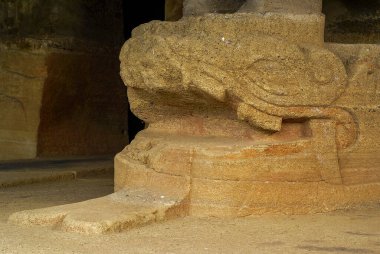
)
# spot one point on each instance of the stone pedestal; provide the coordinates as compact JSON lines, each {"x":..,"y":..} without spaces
{"x":247,"y":113}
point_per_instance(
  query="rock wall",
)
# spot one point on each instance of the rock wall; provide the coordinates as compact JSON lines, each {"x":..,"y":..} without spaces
{"x":60,"y":90}
{"x":84,"y":108}
{"x":98,"y":20}
{"x":349,"y":21}
{"x":22,"y":78}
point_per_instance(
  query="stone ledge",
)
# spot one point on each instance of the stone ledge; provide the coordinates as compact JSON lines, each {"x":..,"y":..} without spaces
{"x":17,"y":173}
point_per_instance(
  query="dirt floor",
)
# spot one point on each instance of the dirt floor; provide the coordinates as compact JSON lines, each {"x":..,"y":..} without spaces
{"x":346,"y":232}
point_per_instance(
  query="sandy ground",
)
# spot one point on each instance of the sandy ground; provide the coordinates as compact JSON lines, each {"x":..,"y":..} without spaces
{"x":345,"y":232}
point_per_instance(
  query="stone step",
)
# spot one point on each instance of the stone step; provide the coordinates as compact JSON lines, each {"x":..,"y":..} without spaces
{"x":113,"y":213}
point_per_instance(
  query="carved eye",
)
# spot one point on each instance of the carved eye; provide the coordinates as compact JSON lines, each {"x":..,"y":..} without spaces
{"x":275,"y":77}
{"x":321,"y":68}
{"x":323,"y":75}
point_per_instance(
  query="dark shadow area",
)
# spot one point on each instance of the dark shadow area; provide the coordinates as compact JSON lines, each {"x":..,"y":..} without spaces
{"x":135,"y":14}
{"x":84,"y":106}
{"x":62,"y":80}
{"x":97,"y":21}
{"x":49,"y":163}
{"x":352,"y":21}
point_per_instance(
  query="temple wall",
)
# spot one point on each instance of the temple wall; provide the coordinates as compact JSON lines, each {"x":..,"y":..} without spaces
{"x":60,"y":90}
{"x":22,"y":78}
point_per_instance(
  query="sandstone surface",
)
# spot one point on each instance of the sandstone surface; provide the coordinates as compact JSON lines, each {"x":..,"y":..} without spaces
{"x":255,"y":112}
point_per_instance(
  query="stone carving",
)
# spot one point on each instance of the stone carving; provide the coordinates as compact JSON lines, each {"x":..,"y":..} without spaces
{"x":265,"y":80}
{"x":247,"y":113}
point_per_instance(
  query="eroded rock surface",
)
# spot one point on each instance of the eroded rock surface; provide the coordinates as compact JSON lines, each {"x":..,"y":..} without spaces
{"x":255,"y":110}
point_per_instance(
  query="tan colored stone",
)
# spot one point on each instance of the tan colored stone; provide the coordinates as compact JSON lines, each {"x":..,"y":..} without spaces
{"x":362,"y":97}
{"x":22,"y":77}
{"x":95,"y":216}
{"x":197,"y":80}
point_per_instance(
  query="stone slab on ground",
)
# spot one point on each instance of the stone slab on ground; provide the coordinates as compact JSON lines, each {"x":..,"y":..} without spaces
{"x":21,"y":172}
{"x":343,"y":232}
{"x":46,"y":194}
{"x":113,"y":213}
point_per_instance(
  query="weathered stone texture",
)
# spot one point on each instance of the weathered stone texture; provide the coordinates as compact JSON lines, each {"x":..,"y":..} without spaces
{"x":22,"y":77}
{"x":250,"y":115}
{"x":60,"y":91}
{"x":56,"y":103}
{"x":362,"y":97}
